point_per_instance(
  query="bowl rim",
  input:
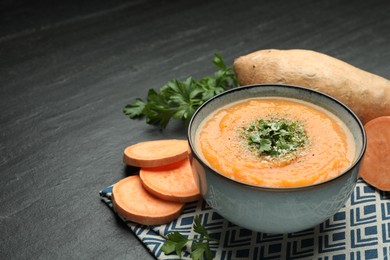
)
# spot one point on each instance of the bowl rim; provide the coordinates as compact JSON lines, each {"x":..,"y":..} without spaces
{"x":278,"y":189}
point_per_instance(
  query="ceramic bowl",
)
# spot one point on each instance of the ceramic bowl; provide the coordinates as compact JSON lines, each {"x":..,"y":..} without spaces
{"x":275,"y":210}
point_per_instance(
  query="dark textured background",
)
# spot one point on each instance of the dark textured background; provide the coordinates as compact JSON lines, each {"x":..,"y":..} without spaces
{"x":67,"y":68}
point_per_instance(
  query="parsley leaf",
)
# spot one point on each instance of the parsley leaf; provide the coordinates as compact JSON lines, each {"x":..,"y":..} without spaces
{"x":157,"y":109}
{"x":198,"y":228}
{"x":200,"y":248}
{"x":135,"y":109}
{"x":179,"y":99}
{"x":175,"y":243}
{"x":200,"y":251}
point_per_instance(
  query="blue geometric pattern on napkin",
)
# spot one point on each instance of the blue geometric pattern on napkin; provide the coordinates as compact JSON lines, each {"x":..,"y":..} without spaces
{"x":360,"y":230}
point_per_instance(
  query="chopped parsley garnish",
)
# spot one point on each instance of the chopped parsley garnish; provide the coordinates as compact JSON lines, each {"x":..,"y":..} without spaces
{"x":276,"y":137}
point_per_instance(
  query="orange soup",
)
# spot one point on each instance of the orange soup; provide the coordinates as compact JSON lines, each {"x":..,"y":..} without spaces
{"x":316,"y":147}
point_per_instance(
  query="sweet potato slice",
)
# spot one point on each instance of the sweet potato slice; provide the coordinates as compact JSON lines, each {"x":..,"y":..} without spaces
{"x":156,"y":153}
{"x":375,"y":168}
{"x":173,"y":182}
{"x":133,"y":202}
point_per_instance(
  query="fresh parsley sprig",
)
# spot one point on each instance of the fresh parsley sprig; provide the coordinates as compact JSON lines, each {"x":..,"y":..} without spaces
{"x":179,"y":99}
{"x":200,"y":248}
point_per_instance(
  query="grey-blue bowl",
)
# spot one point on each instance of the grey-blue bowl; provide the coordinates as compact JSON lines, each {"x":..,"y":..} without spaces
{"x":276,"y":210}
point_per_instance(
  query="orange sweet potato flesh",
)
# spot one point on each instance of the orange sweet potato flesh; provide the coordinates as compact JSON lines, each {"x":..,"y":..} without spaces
{"x":134,"y":203}
{"x":156,"y":153}
{"x":375,"y":168}
{"x":173,"y":182}
{"x":367,"y":94}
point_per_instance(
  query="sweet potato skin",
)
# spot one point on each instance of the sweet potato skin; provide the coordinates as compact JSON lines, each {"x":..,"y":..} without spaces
{"x":367,"y":94}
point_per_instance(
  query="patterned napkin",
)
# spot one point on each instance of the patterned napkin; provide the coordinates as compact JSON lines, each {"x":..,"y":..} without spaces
{"x":360,"y":230}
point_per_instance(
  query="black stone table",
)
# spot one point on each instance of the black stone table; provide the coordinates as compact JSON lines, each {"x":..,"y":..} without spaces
{"x":67,"y":68}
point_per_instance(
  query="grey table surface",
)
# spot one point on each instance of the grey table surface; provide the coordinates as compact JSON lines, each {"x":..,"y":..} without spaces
{"x":67,"y":68}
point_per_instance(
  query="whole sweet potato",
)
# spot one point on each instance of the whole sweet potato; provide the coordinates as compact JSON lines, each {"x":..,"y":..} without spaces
{"x":367,"y":94}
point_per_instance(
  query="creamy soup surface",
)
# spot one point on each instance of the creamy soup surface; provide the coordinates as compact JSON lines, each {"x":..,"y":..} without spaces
{"x":328,"y":152}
